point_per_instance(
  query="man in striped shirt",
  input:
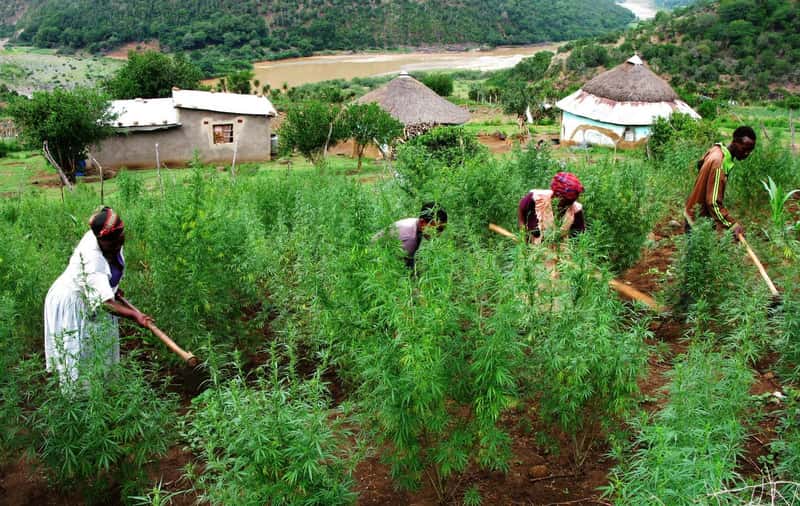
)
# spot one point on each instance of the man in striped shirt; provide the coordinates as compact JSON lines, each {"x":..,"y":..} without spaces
{"x":709,"y":188}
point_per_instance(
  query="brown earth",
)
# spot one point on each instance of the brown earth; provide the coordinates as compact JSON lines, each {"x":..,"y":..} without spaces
{"x":121,"y":53}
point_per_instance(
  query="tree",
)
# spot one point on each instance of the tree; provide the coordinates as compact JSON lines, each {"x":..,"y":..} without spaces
{"x":367,"y":123}
{"x":239,"y":82}
{"x":152,"y":75}
{"x":68,"y":120}
{"x":309,"y":127}
{"x":533,"y":68}
{"x":442,"y":84}
{"x":516,"y":98}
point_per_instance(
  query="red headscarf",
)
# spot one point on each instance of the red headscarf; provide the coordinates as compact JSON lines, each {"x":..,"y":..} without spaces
{"x":566,"y":185}
{"x":105,"y":222}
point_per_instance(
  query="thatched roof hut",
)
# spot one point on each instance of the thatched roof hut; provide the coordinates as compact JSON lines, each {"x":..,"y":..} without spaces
{"x":413,"y":103}
{"x":618,"y":107}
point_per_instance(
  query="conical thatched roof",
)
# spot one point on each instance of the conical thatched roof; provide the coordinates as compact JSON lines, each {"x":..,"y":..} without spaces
{"x":629,"y":94}
{"x":413,"y":103}
{"x":631,"y":81}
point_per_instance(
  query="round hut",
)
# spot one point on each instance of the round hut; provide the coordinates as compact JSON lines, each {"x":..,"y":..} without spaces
{"x":415,"y":105}
{"x":618,"y":107}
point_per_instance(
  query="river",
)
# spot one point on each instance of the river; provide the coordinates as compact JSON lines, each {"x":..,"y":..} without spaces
{"x":642,"y":9}
{"x":297,"y":71}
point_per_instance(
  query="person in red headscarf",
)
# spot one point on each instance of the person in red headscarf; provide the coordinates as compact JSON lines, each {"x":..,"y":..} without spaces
{"x":535,"y":213}
{"x":76,"y":329}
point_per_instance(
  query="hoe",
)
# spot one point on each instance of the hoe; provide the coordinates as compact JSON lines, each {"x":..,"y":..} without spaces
{"x":626,"y":291}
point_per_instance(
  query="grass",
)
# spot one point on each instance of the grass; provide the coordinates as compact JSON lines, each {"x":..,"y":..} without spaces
{"x":24,"y":171}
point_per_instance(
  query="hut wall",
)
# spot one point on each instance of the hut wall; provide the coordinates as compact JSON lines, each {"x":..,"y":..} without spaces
{"x":197,"y":132}
{"x":580,"y":130}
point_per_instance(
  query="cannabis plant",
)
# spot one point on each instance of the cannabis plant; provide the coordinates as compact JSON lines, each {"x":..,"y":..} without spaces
{"x":273,"y":443}
{"x":690,"y":448}
{"x":101,"y":429}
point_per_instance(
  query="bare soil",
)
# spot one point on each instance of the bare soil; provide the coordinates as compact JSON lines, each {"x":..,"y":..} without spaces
{"x":121,"y":53}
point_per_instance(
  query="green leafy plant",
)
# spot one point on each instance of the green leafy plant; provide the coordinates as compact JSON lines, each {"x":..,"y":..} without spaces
{"x":705,"y":269}
{"x":368,"y":123}
{"x":585,"y":359}
{"x":103,"y":429}
{"x":276,"y":444}
{"x":688,"y":449}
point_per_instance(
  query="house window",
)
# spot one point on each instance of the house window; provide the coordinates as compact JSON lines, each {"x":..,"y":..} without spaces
{"x":223,"y":134}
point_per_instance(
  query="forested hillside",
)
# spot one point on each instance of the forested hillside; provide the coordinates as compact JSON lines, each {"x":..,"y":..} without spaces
{"x":10,"y":11}
{"x":731,"y":48}
{"x":225,"y":30}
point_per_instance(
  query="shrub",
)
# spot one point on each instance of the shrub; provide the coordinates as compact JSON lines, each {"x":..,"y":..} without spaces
{"x":585,"y":361}
{"x":688,"y":449}
{"x":274,"y":444}
{"x":620,"y":211}
{"x":441,"y":83}
{"x":17,"y":378}
{"x":706,"y":269}
{"x":103,"y":429}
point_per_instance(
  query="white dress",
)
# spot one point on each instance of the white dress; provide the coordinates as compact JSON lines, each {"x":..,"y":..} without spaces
{"x":76,"y":327}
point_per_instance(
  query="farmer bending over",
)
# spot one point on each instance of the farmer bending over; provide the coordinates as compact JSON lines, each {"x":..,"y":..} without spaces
{"x":411,"y":231}
{"x":709,"y":188}
{"x":535,"y":213}
{"x":76,"y":328}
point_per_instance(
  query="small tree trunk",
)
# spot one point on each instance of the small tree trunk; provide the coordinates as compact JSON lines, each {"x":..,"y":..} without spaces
{"x":64,"y":180}
{"x":102,"y":179}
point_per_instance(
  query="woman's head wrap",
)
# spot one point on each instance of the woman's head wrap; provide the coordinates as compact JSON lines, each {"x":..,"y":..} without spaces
{"x":105,"y":223}
{"x":566,"y":185}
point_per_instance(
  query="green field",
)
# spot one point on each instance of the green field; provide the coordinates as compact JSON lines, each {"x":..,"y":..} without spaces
{"x":26,"y":69}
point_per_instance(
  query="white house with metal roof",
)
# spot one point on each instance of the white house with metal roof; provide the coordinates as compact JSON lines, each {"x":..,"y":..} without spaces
{"x":619,"y":107}
{"x":212,"y":124}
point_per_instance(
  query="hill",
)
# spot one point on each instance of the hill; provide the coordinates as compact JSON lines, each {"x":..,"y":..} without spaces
{"x":725,"y":49}
{"x":223,"y":33}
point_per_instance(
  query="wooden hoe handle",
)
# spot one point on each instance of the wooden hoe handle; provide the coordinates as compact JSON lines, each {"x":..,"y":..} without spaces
{"x":619,"y":287}
{"x":186,"y":356}
{"x":500,"y":230}
{"x":761,"y":269}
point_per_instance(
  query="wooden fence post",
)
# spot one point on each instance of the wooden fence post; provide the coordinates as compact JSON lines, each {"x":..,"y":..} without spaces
{"x":158,"y":170}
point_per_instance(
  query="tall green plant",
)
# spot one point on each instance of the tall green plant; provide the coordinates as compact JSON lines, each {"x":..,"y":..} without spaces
{"x":103,"y":429}
{"x":690,"y":448}
{"x":586,"y":359}
{"x":621,"y":209}
{"x":274,"y":444}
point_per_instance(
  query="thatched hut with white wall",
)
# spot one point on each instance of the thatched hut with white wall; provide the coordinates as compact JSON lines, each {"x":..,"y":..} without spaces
{"x":415,"y":105}
{"x":619,"y":107}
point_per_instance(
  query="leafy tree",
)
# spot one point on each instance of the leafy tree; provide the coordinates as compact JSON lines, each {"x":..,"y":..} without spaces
{"x":152,"y":75}
{"x":367,"y":123}
{"x":238,"y":82}
{"x":68,"y":120}
{"x":516,"y":98}
{"x":309,"y":127}
{"x":442,"y":84}
{"x":534,"y":67}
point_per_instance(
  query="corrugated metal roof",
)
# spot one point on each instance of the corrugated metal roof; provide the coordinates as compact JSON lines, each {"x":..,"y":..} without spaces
{"x":223,"y":102}
{"x":145,"y":114}
{"x":606,"y":110}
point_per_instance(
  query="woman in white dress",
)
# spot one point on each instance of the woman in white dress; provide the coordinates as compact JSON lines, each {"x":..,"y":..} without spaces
{"x":77,"y":328}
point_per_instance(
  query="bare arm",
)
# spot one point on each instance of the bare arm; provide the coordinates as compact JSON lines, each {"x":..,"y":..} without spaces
{"x":118,"y":308}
